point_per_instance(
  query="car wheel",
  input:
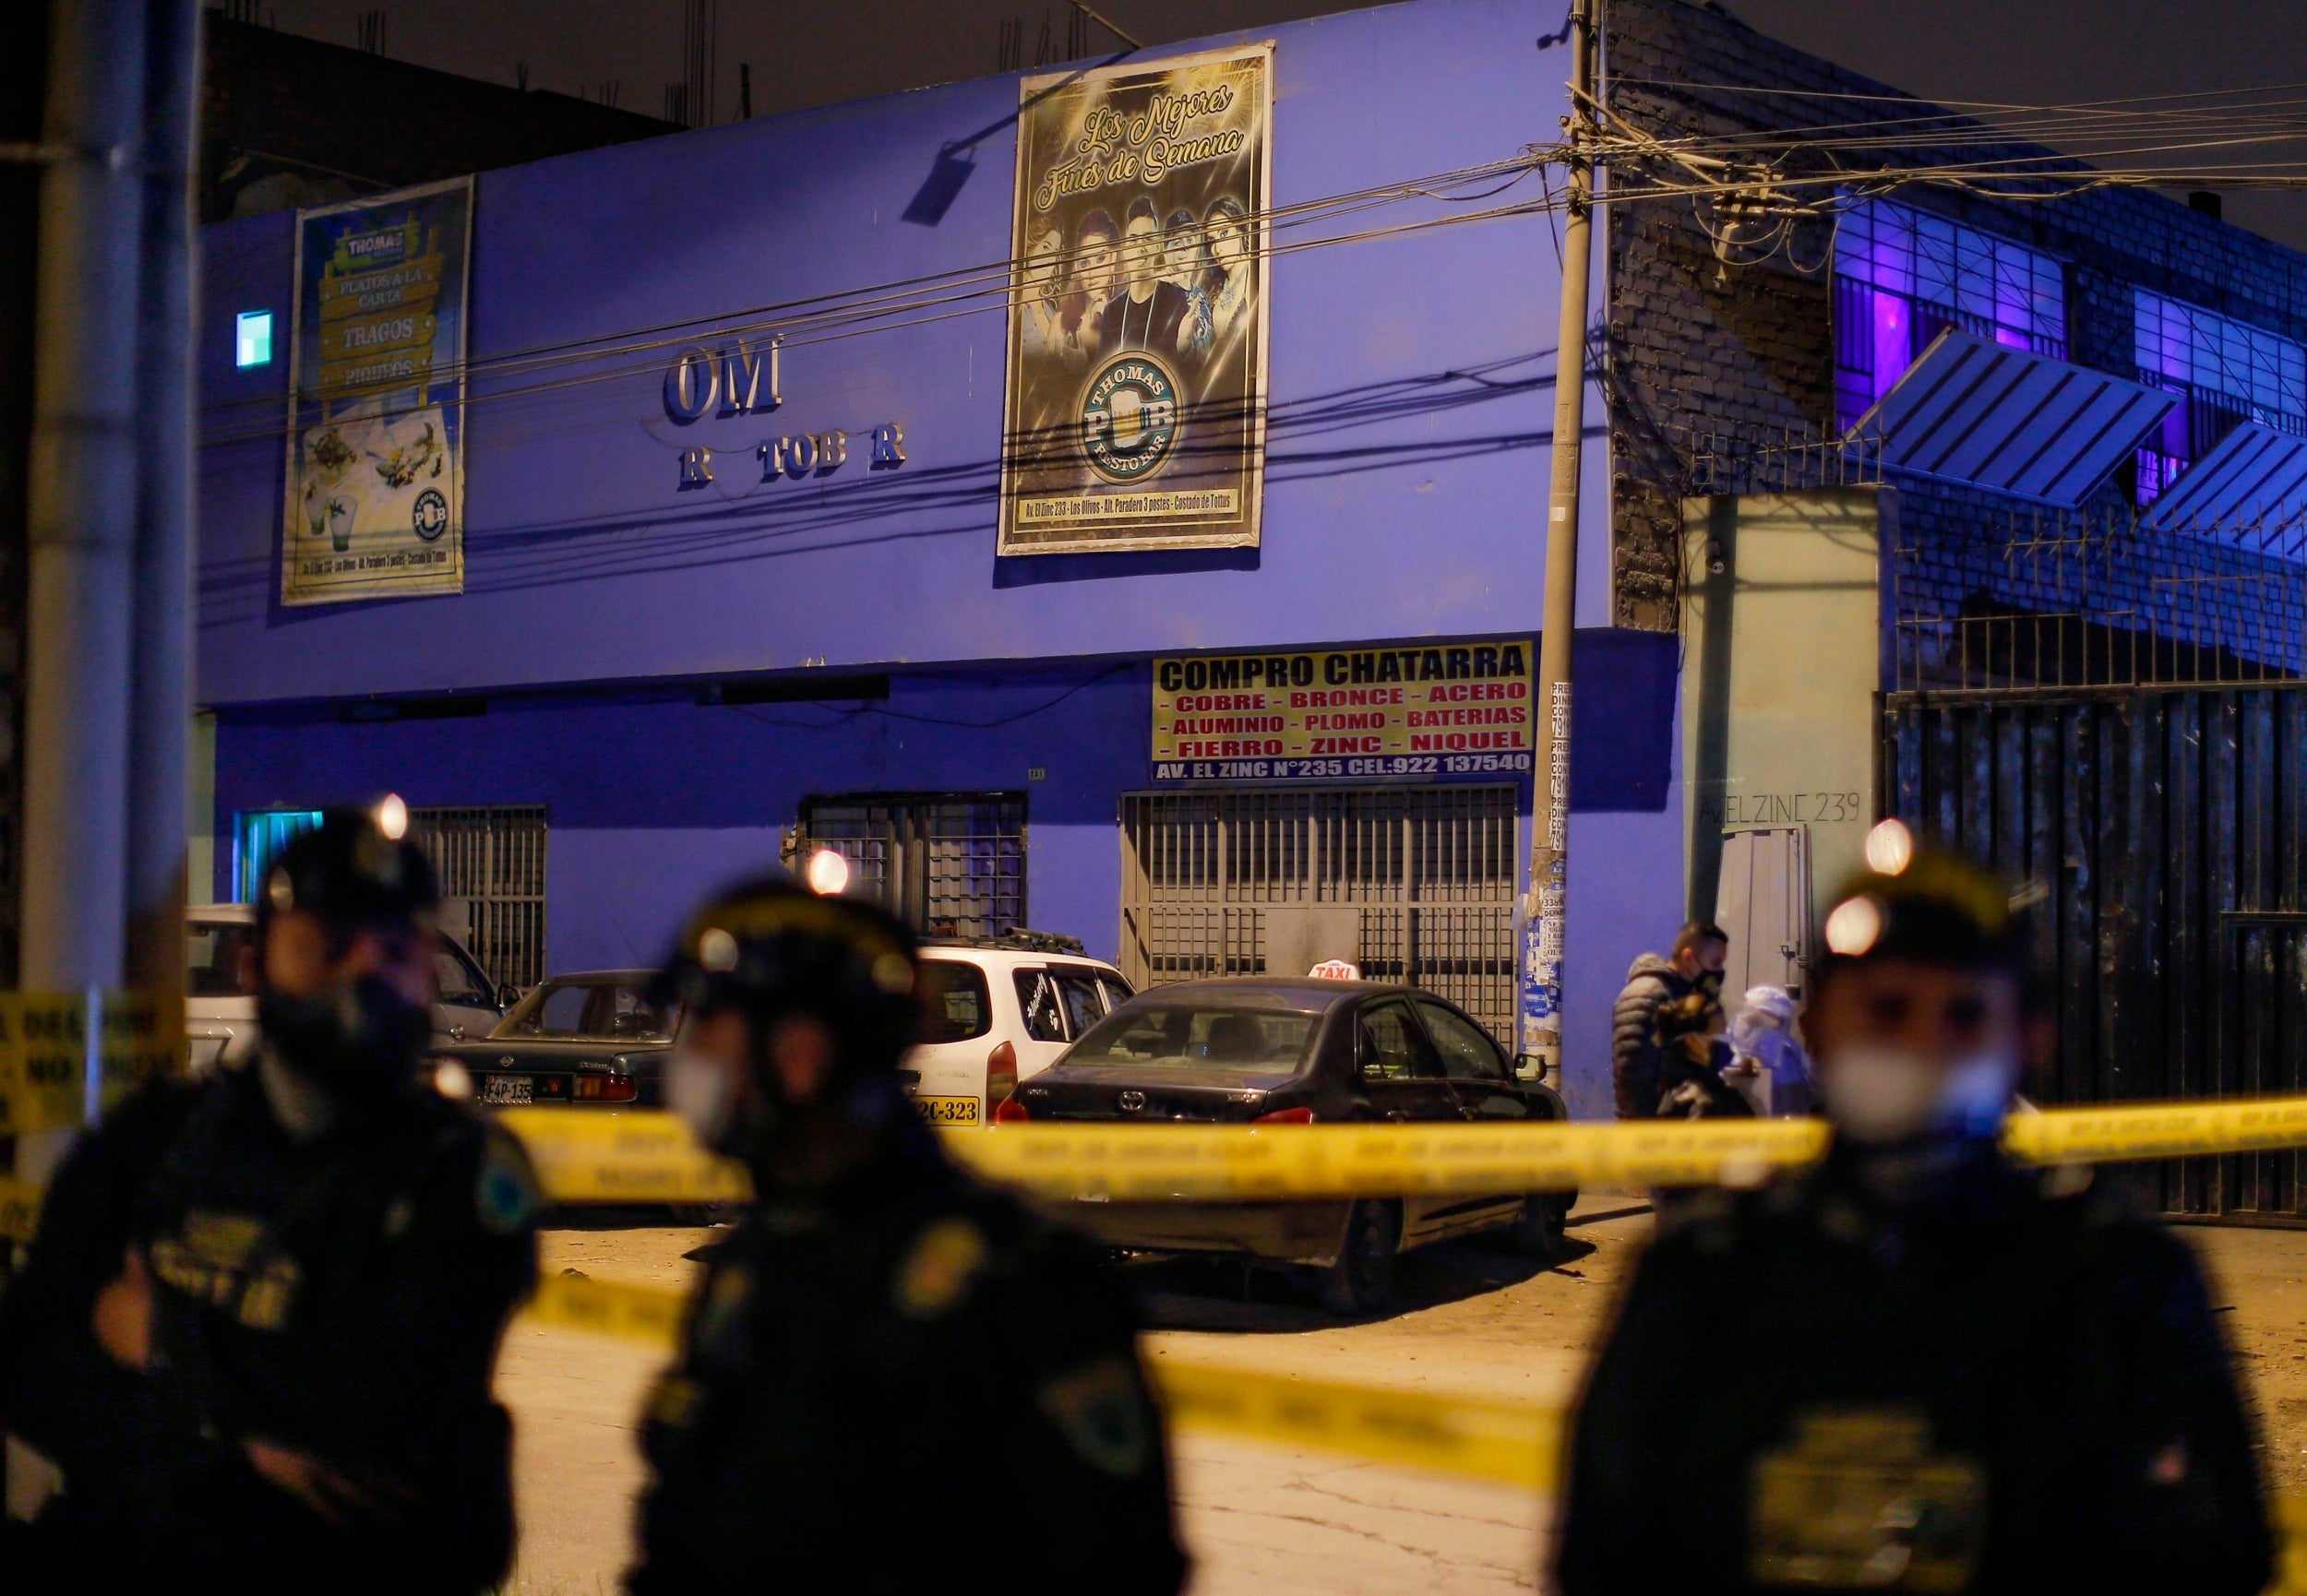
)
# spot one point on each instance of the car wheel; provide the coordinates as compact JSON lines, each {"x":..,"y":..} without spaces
{"x":1538,"y":1232}
{"x":1361,"y":1281}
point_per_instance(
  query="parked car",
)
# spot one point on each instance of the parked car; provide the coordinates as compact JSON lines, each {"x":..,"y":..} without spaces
{"x":221,"y":984}
{"x":594,"y":1038}
{"x":1278,"y":1052}
{"x":1002,"y":1010}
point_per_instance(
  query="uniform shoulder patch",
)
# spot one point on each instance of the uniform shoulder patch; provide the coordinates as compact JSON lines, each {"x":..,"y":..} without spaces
{"x":1100,"y":1408}
{"x":942,"y":1264}
{"x":506,"y":1197}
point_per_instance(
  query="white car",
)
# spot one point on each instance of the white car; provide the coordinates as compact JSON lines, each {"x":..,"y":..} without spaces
{"x":1002,"y":1010}
{"x":221,"y":984}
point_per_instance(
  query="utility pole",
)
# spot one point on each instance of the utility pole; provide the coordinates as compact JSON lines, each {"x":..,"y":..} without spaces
{"x":160,"y":689}
{"x":1545,"y":906}
{"x":83,"y":505}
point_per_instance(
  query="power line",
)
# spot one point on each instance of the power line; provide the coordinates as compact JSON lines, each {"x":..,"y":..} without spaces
{"x":798,"y":317}
{"x":967,"y":290}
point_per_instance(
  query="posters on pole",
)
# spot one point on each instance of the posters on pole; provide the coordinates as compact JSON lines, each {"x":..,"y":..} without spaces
{"x":1430,"y":711}
{"x":375,"y":428}
{"x":1135,"y":407}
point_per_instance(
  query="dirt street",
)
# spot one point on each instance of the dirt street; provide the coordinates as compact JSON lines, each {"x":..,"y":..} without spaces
{"x":1268,"y":1519}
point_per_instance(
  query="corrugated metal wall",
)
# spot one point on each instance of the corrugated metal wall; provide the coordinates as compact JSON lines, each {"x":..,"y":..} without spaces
{"x":2165,"y":830}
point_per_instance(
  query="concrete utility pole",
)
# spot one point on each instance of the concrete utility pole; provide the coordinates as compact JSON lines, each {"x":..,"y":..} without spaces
{"x":160,"y":691}
{"x":1546,"y":905}
{"x":83,"y":503}
{"x":109,"y":623}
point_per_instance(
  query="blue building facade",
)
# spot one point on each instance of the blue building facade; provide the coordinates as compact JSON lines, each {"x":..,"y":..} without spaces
{"x":679,"y":687}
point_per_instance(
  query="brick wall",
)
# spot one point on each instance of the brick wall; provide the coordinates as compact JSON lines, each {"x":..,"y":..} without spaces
{"x":1695,"y":348}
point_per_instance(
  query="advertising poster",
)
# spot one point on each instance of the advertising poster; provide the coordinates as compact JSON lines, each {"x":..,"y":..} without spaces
{"x":376,"y":434}
{"x":1445,"y":709}
{"x":1137,"y":365}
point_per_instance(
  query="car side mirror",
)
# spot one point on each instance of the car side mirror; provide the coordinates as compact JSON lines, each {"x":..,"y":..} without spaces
{"x":507,"y":995}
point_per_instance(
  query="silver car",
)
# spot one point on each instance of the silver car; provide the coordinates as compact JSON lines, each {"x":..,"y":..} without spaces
{"x":221,"y":984}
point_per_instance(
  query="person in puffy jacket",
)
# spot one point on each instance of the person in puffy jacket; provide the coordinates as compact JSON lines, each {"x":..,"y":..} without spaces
{"x":1668,"y":1010}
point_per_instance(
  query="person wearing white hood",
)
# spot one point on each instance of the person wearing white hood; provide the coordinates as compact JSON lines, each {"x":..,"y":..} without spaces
{"x":1767,"y":1064}
{"x":1917,"y":1365}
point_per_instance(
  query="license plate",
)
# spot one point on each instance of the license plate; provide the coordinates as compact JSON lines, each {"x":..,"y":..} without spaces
{"x":948,"y":1110}
{"x":513,"y":1090}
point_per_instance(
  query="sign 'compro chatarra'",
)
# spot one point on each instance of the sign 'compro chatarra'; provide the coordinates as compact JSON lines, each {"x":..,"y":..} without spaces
{"x":741,"y":378}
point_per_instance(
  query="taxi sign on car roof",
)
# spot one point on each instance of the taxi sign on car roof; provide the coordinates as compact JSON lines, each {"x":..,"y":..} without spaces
{"x":1335,"y":970}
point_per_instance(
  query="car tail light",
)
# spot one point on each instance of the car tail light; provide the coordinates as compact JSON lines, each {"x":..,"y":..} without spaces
{"x":1001,"y":1075}
{"x":1286,"y":1116}
{"x":1012,"y":1111}
{"x":606,"y":1088}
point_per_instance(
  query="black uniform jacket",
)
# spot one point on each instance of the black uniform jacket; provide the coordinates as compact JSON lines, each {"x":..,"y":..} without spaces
{"x":343,"y":1298}
{"x":2000,"y":1390}
{"x":907,"y":1384}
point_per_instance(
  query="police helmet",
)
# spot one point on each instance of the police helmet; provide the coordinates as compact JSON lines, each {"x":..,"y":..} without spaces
{"x":1923,"y":905}
{"x":770,"y":948}
{"x":355,"y":868}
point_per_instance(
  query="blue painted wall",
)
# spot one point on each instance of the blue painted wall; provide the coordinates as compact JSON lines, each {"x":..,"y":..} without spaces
{"x":653,"y":800}
{"x":1412,"y":392}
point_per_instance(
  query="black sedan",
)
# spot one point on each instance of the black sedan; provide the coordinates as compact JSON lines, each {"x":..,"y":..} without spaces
{"x":1274,"y":1052}
{"x":590,"y":1040}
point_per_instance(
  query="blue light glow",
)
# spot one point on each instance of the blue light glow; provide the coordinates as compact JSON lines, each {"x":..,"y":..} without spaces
{"x":252,"y":339}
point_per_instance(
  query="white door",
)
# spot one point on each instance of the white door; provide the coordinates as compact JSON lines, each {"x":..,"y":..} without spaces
{"x":1763,"y":903}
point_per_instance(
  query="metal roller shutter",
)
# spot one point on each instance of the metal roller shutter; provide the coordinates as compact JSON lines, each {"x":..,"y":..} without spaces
{"x":1433,"y":871}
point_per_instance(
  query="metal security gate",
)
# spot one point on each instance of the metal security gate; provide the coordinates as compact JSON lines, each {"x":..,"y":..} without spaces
{"x":2163,"y":834}
{"x":950,"y":865}
{"x":1432,"y":870}
{"x":492,"y":882}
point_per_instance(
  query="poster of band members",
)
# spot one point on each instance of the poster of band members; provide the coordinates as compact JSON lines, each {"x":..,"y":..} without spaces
{"x":376,"y":434}
{"x":1137,"y":361}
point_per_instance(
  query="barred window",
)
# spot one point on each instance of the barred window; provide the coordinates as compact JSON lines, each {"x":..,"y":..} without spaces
{"x":2225,"y":372}
{"x":1902,"y":275}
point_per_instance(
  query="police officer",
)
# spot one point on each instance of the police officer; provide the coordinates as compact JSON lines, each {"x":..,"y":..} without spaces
{"x":258,"y":1325}
{"x":893,"y":1378}
{"x":1916,"y":1366}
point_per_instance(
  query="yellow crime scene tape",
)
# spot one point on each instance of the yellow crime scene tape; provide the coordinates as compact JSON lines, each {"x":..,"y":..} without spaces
{"x":44,"y":1053}
{"x":1505,"y":1443}
{"x":1487,"y":1439}
{"x":646,"y":1155}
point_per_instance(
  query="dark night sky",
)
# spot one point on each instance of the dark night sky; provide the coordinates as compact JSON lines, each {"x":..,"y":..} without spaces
{"x":2035,"y":52}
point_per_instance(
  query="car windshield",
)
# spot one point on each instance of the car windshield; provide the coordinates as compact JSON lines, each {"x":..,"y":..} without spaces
{"x":1193,"y":1035}
{"x":588,"y":1007}
{"x":220,"y":959}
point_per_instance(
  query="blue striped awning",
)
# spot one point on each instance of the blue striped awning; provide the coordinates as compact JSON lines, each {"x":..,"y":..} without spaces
{"x":2008,"y":420}
{"x":2253,"y":485}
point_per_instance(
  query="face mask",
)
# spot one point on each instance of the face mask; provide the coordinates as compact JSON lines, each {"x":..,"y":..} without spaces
{"x":1877,"y":1096}
{"x":360,"y":1036}
{"x":1710,"y":983}
{"x":704,"y":1095}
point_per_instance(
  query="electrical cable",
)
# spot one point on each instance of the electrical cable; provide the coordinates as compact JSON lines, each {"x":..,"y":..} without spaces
{"x":885,"y":298}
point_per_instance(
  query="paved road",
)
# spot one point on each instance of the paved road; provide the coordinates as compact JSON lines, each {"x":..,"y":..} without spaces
{"x":1264,"y":1520}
